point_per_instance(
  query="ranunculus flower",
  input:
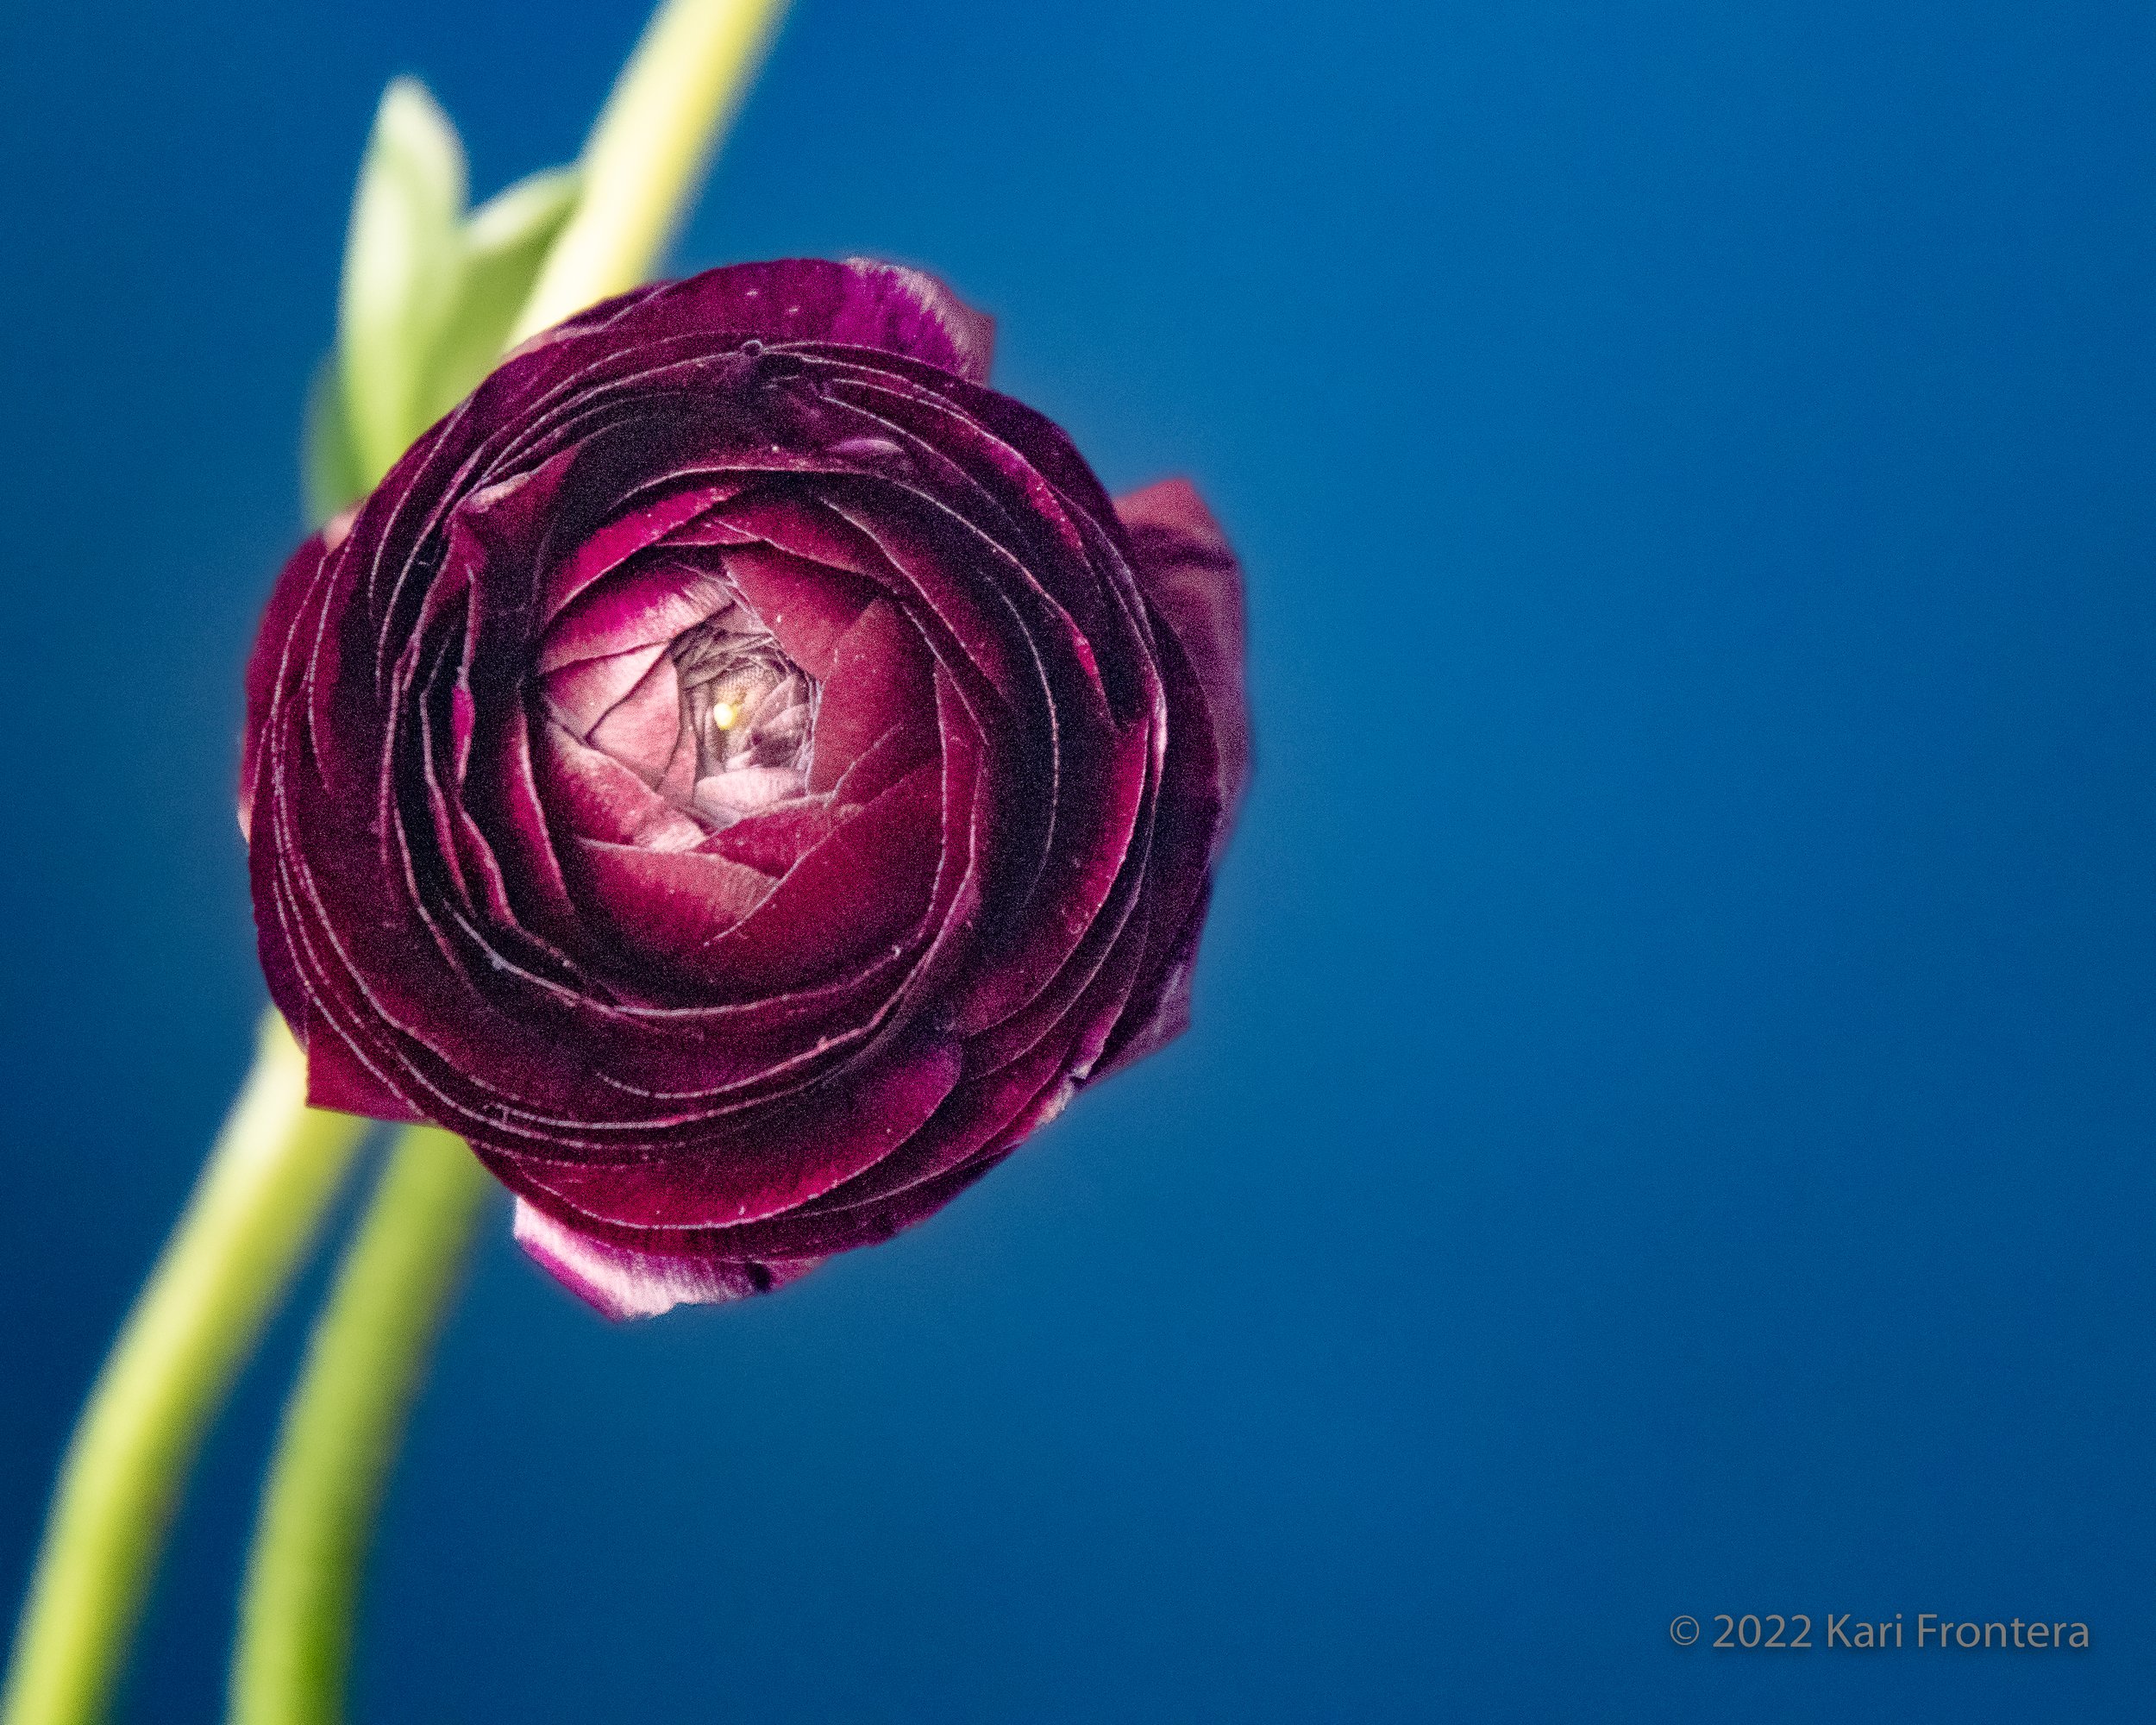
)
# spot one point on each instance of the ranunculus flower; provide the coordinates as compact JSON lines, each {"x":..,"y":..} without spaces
{"x":742,"y":774}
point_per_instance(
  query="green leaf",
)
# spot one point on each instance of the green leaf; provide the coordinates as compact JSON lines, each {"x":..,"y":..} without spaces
{"x":329,"y":465}
{"x":404,"y":273}
{"x":505,"y":241}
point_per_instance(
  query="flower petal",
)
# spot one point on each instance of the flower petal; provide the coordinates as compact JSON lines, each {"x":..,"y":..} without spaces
{"x":621,"y":1282}
{"x":1194,"y":581}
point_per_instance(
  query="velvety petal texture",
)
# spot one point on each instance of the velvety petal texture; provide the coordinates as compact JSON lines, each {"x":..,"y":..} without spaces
{"x":742,"y":774}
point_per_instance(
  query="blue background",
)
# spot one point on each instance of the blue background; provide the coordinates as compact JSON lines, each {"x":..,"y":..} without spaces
{"x":1667,"y":1126}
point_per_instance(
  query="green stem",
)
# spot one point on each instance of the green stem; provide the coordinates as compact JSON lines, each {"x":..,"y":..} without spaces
{"x":343,"y":1428}
{"x":647,"y":151}
{"x":254,"y":1210}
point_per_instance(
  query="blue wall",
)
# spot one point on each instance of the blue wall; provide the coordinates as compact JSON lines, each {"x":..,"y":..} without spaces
{"x":1668,"y":1127}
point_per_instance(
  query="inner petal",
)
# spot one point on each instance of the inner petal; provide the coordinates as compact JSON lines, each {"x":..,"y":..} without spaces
{"x":750,"y":817}
{"x":751,"y":710}
{"x":640,"y":730}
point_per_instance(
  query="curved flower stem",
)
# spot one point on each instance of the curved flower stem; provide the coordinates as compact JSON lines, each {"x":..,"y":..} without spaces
{"x":648,"y":149}
{"x":343,"y":1428}
{"x":276,"y":1165}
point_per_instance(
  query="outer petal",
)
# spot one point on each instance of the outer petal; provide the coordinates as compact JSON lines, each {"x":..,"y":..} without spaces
{"x":1192,"y":579}
{"x":861,"y":303}
{"x":337,"y":1080}
{"x":271,"y":640}
{"x":624,"y":1282}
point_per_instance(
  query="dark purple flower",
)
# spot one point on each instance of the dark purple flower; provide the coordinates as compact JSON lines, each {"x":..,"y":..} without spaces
{"x":742,"y":774}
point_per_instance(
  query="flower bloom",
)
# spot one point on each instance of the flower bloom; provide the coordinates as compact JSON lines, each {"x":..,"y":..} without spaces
{"x":741,"y":774}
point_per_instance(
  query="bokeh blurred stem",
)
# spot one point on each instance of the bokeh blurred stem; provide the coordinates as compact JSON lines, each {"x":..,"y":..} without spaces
{"x":646,"y":156}
{"x":254,"y":1212}
{"x":342,"y":1431}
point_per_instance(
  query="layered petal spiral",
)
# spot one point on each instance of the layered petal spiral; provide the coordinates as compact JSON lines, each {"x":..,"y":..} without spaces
{"x":742,"y":774}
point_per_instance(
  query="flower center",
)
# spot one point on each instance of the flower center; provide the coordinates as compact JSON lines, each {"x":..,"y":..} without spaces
{"x":752,"y":712}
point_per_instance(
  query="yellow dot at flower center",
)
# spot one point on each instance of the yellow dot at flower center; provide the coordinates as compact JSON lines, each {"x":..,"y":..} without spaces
{"x":725,"y":714}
